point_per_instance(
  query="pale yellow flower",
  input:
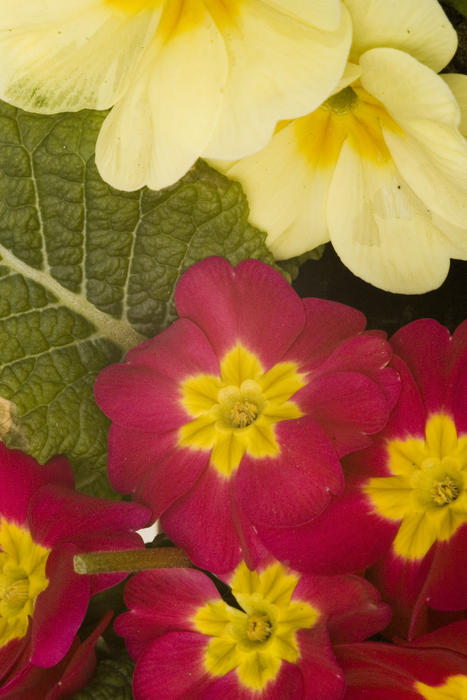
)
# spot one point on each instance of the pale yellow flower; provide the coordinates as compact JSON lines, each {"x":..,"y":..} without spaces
{"x":380,"y":169}
{"x":187,"y":77}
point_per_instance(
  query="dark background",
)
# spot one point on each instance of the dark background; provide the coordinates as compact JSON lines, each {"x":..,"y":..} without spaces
{"x":328,"y":278}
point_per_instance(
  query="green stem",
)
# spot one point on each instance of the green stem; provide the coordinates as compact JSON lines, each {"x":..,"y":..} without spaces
{"x":130,"y":560}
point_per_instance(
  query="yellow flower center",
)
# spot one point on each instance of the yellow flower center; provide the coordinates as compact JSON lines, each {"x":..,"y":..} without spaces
{"x":352,"y":114}
{"x":455,"y":688}
{"x":22,"y":578}
{"x":428,"y":489}
{"x":236,"y":412}
{"x":256,"y":639}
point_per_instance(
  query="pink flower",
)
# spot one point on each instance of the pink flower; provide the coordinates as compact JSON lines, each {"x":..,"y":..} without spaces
{"x":273,"y":640}
{"x":420,"y":490}
{"x":434,"y":667}
{"x":234,"y":418}
{"x":43,"y":524}
{"x":405,"y":501}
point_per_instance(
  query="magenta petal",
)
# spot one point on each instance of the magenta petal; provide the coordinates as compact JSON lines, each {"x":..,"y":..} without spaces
{"x":61,"y":515}
{"x":137,"y":397}
{"x":456,"y":384}
{"x":253,"y":550}
{"x":182,"y":350}
{"x":172,"y":476}
{"x":409,"y":415}
{"x":172,"y":667}
{"x":201,"y":523}
{"x":252,"y":304}
{"x":133,"y":454}
{"x":152,"y":466}
{"x":160,"y":601}
{"x":288,"y":685}
{"x":369,"y":354}
{"x":59,"y":609}
{"x":345,"y":403}
{"x":424,"y":345}
{"x":446,"y":584}
{"x":9,"y":656}
{"x":294,"y":486}
{"x":366,"y":353}
{"x":385,"y":672}
{"x":323,"y":677}
{"x":452,"y":637}
{"x":327,"y":323}
{"x":80,"y":664}
{"x":347,"y":536}
{"x":21,"y":476}
{"x":351,"y":606}
{"x":401,"y":583}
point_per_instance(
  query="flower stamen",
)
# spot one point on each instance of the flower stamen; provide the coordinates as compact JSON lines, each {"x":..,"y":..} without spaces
{"x":243,"y":414}
{"x":445,"y":491}
{"x":16,"y":594}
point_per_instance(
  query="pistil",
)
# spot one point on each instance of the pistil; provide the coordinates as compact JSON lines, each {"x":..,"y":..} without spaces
{"x":258,"y":628}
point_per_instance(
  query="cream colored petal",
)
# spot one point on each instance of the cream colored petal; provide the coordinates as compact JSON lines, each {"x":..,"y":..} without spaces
{"x":323,"y":14}
{"x":65,"y":56}
{"x":408,"y":89}
{"x":286,"y":194}
{"x":381,"y":230}
{"x":436,"y":169}
{"x":279,"y":69}
{"x":456,"y":237}
{"x":458,"y":84}
{"x":419,"y":27}
{"x":432,"y":154}
{"x":156,"y":133}
{"x":351,"y":73}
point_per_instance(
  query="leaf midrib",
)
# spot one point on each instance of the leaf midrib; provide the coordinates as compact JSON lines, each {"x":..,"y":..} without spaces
{"x":117,"y":330}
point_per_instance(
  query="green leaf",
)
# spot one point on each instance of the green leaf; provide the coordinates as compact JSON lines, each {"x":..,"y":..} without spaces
{"x":112,"y":680}
{"x":86,"y":273}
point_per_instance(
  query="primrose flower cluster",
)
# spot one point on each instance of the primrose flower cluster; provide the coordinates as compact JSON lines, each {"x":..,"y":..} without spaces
{"x":286,"y":450}
{"x":330,"y":113}
{"x":310,"y":474}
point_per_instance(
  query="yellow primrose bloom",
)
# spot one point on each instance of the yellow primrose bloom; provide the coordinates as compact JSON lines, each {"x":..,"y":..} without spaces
{"x":380,"y":168}
{"x":186,"y":77}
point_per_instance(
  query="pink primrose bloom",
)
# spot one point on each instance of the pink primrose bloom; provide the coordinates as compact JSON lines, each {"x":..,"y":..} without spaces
{"x":433,"y":667}
{"x":420,"y":491}
{"x":272,"y":641}
{"x":44,"y":522}
{"x":234,"y":419}
{"x":405,"y":501}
